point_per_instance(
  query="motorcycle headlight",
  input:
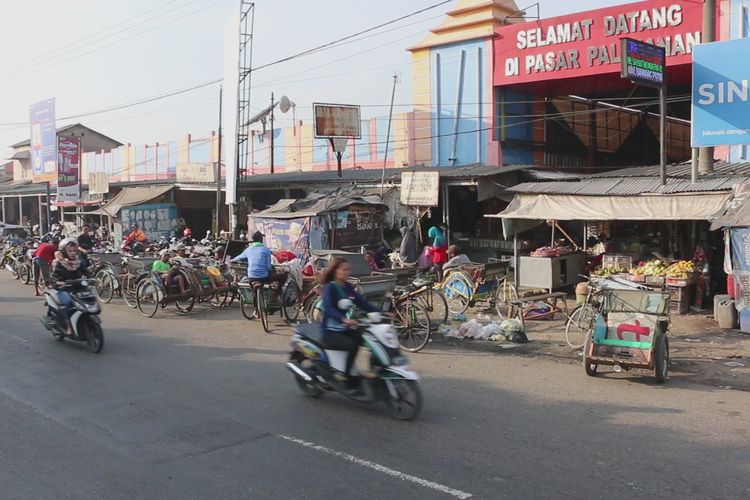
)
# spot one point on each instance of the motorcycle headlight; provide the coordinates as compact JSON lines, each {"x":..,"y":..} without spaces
{"x":84,"y":283}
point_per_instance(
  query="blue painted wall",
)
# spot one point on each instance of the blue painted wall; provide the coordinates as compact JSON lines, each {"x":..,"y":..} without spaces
{"x":455,"y":96}
{"x":739,"y":19}
{"x":514,"y":112}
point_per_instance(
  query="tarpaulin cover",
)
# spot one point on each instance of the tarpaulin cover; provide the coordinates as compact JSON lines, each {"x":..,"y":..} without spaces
{"x":591,"y":208}
{"x":131,"y":196}
{"x":319,"y":203}
{"x":737,"y":213}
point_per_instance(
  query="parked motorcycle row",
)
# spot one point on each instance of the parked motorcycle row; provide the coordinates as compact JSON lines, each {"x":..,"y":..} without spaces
{"x":203,"y":270}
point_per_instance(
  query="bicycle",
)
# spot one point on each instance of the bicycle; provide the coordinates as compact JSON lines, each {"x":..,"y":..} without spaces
{"x":254,"y":295}
{"x":410,"y":319}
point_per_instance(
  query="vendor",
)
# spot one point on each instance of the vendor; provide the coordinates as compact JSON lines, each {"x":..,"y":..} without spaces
{"x":439,"y":245}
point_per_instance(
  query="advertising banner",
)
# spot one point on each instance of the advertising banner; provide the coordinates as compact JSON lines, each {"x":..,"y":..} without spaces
{"x":721,"y":93}
{"x":741,"y":249}
{"x":588,"y":43}
{"x":286,"y":234}
{"x":43,"y":141}
{"x":68,"y":168}
{"x":156,"y":220}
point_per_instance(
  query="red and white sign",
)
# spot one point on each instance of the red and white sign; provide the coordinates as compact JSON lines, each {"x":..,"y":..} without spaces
{"x":68,"y":169}
{"x":588,"y":43}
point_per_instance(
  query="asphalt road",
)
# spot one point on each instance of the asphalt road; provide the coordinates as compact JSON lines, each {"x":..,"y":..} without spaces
{"x":202,"y":407}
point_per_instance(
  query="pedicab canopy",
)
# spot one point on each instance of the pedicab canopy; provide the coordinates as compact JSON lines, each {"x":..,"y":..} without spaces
{"x":341,"y":221}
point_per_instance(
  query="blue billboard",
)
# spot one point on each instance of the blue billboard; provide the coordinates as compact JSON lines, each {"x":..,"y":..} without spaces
{"x":721,"y":93}
{"x":157,"y":220}
{"x":43,"y":141}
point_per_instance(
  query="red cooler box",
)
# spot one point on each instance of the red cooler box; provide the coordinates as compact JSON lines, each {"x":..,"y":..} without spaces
{"x":730,"y":286}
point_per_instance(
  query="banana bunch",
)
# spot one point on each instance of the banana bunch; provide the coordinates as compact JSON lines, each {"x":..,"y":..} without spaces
{"x":682,"y":269}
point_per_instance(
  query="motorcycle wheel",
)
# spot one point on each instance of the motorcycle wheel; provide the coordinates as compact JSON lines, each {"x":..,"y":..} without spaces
{"x":409,"y":402}
{"x":94,"y":336}
{"x":105,"y":286}
{"x":309,"y":389}
{"x":24,"y":273}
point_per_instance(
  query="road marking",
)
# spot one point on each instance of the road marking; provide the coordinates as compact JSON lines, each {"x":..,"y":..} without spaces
{"x":380,"y":468}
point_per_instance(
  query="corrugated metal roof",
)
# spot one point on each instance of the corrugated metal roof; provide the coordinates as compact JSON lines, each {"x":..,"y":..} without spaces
{"x":629,"y":186}
{"x":682,"y":170}
{"x":372,"y":175}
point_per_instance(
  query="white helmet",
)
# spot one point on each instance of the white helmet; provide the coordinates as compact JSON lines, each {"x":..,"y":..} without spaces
{"x":65,"y":242}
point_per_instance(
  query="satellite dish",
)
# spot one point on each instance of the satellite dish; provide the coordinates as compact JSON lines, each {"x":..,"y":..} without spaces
{"x":285,"y":104}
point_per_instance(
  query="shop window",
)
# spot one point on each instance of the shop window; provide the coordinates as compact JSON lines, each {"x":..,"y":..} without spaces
{"x":743,"y":152}
{"x":744,"y":22}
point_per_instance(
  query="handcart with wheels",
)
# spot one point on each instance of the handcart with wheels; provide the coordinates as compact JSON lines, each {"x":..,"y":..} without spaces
{"x":630,"y":332}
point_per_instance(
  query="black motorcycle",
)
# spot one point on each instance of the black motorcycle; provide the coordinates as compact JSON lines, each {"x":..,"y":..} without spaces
{"x":84,"y":314}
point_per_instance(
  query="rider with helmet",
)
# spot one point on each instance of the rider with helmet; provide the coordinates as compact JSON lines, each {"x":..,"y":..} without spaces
{"x":68,"y":265}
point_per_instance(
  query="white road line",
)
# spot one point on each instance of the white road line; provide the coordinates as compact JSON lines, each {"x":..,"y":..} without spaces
{"x":380,"y":468}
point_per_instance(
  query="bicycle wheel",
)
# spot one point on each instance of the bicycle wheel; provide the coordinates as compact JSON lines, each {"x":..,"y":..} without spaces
{"x":413,"y":325}
{"x":105,"y":286}
{"x":505,"y":294}
{"x":25,"y":273}
{"x":220,"y":299}
{"x":312,"y":308}
{"x":457,"y":291}
{"x":290,"y":305}
{"x":147,"y":298}
{"x":580,"y":325}
{"x":261,"y":309}
{"x":436,"y":306}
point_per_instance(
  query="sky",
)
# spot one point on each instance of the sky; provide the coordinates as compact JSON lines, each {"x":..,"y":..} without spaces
{"x":95,"y":54}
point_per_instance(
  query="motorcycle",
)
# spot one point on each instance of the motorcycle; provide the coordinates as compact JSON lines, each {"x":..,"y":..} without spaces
{"x":389,"y":379}
{"x":84,"y":316}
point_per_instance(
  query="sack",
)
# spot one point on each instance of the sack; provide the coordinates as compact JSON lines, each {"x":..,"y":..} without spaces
{"x":518,"y":338}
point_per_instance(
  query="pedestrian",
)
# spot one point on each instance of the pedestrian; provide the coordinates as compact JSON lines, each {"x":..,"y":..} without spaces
{"x":439,"y":248}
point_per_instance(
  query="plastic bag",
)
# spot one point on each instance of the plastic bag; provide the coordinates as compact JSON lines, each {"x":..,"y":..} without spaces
{"x":470,"y":329}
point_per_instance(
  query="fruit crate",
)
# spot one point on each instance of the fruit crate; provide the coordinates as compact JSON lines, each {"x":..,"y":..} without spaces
{"x":616,"y":260}
{"x":655,"y":280}
{"x":680,"y":298}
{"x":682,"y":282}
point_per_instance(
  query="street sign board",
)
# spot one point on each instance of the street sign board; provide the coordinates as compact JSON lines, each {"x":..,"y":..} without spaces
{"x":196,"y":172}
{"x":98,"y":182}
{"x":420,"y":189}
{"x":43,"y":141}
{"x":336,"y":120}
{"x":68,"y":168}
{"x":721,"y":94}
{"x":643,"y":63}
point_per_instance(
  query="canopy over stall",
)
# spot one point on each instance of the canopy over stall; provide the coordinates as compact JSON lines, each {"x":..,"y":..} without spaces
{"x":737,"y":213}
{"x":341,"y":220}
{"x":132,"y":196}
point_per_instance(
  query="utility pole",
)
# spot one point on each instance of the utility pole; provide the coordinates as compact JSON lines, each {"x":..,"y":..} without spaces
{"x":706,"y":155}
{"x":388,"y":134}
{"x":663,"y":131}
{"x":272,"y":134}
{"x":218,"y":165}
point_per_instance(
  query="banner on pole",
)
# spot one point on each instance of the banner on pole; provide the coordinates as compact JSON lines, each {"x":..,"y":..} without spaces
{"x":43,"y":141}
{"x":68,"y":168}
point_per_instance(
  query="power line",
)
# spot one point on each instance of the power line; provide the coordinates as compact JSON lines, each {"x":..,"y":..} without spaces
{"x":45,"y":55}
{"x":348,"y":37}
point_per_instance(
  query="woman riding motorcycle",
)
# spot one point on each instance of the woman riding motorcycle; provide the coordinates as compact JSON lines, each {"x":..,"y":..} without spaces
{"x":68,"y":265}
{"x":337,"y":331}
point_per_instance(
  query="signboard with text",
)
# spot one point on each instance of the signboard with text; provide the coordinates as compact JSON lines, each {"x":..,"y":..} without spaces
{"x":721,"y":94}
{"x":43,"y":141}
{"x":588,"y":43}
{"x":643,"y":63}
{"x":157,"y":220}
{"x":420,"y":189}
{"x":68,"y":168}
{"x":196,"y":172}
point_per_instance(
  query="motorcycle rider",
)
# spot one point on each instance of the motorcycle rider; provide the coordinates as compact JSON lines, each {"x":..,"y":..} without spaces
{"x":337,"y":331}
{"x":259,"y":266}
{"x":67,"y":266}
{"x":137,"y":234}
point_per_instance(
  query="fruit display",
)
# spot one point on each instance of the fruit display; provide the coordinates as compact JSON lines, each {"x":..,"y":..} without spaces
{"x":681,"y":269}
{"x":655,"y":267}
{"x":609,"y":271}
{"x":545,"y":252}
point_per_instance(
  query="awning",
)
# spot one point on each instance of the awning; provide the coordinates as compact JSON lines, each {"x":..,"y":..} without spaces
{"x":131,"y":196}
{"x":737,"y":213}
{"x":698,"y":206}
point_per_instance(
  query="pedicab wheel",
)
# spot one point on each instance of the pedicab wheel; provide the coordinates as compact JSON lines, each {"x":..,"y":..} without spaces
{"x":413,"y":325}
{"x":580,"y":325}
{"x":408,"y":404}
{"x":591,"y":368}
{"x":247,"y":305}
{"x":505,"y":294}
{"x":147,"y":298}
{"x":220,"y":299}
{"x":661,"y":359}
{"x":105,"y":286}
{"x":24,"y":274}
{"x":261,"y":309}
{"x":129,"y":288}
{"x":94,"y":337}
{"x":313,"y":309}
{"x":290,"y":306}
{"x":436,"y":306}
{"x":457,"y":291}
{"x":184,"y":306}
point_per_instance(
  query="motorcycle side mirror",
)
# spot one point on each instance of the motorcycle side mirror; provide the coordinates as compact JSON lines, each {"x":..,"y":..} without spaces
{"x":345,"y":304}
